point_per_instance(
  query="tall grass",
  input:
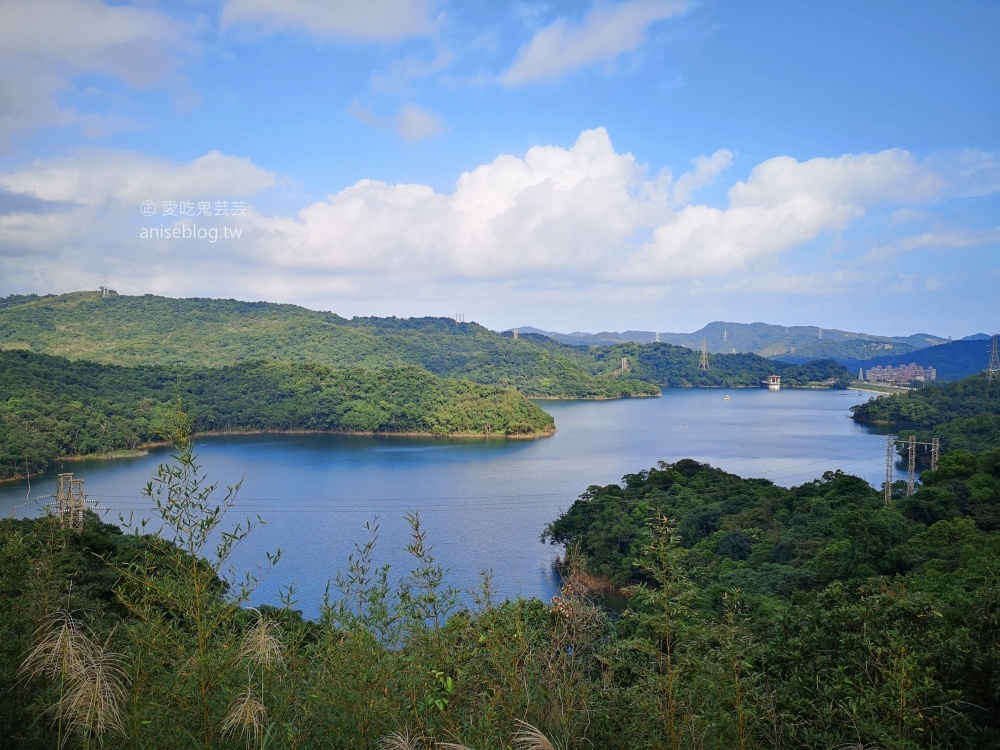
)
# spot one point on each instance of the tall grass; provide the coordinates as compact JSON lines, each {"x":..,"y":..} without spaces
{"x":88,"y":678}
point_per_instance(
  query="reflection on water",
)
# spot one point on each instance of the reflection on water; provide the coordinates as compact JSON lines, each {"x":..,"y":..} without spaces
{"x":484,"y":503}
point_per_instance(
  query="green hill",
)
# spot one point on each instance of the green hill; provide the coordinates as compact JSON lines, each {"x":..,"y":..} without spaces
{"x":212,"y":333}
{"x":670,"y":365}
{"x":52,"y":407}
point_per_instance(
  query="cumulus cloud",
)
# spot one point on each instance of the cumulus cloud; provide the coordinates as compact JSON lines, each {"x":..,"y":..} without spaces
{"x":590,"y":212}
{"x":892,"y":176}
{"x":783,"y":204}
{"x":88,"y":204}
{"x":366,"y":20}
{"x":557,"y":209}
{"x":606,"y":32}
{"x":45,"y":45}
{"x":547,"y":224}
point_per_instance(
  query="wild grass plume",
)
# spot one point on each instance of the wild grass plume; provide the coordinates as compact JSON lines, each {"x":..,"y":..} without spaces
{"x":90,"y":679}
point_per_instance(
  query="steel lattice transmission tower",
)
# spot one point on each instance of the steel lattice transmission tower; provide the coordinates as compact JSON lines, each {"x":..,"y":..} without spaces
{"x":993,"y":370}
{"x":889,"y":455}
{"x":703,"y":362}
{"x":70,"y":502}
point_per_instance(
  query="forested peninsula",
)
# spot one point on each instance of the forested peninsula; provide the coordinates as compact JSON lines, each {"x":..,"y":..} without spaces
{"x":53,"y":407}
{"x":964,"y":414}
{"x":881,"y":615}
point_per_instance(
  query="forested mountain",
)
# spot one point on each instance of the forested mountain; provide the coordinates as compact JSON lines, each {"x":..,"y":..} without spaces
{"x":795,"y":344}
{"x":52,"y":407}
{"x":212,"y":333}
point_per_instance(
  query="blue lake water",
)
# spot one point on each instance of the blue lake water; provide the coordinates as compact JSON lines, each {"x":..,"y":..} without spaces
{"x":483,"y":503}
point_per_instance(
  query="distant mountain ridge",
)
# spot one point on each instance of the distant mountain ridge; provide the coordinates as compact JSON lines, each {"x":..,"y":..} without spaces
{"x":953,"y":361}
{"x":789,"y":343}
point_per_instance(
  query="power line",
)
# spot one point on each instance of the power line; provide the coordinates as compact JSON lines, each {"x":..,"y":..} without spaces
{"x":271,"y":505}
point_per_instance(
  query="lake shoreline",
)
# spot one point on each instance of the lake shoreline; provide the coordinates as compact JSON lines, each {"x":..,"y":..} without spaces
{"x":143,"y":449}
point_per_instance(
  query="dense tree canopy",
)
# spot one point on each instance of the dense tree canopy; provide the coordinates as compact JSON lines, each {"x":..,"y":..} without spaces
{"x":965,"y":415}
{"x":54,"y":407}
{"x":212,"y":333}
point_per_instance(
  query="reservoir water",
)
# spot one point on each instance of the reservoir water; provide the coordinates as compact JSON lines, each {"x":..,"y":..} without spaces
{"x":483,"y":503}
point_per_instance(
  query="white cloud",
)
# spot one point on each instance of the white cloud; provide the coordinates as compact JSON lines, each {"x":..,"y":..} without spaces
{"x":367,"y":20}
{"x":907,"y":216}
{"x":88,"y":205}
{"x":415,"y":123}
{"x":706,"y":170}
{"x":891,"y":176}
{"x":935,"y":282}
{"x":972,"y":172}
{"x":45,"y":45}
{"x":365,"y":114}
{"x":557,"y":209}
{"x":607,"y":31}
{"x":555,"y":223}
{"x":783,"y":204}
{"x":805,"y":285}
{"x":411,"y":122}
{"x":953,"y":239}
{"x":399,"y":74}
{"x":905,"y":284}
{"x":100,"y":177}
{"x":589,"y":212}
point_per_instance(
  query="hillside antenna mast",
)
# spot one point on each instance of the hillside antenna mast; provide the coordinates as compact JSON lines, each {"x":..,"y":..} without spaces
{"x":105,"y":288}
{"x":657,"y":338}
{"x":994,"y":368}
{"x":703,"y":361}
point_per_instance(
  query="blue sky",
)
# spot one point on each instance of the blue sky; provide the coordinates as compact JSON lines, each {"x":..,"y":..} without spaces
{"x":642,"y":164}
